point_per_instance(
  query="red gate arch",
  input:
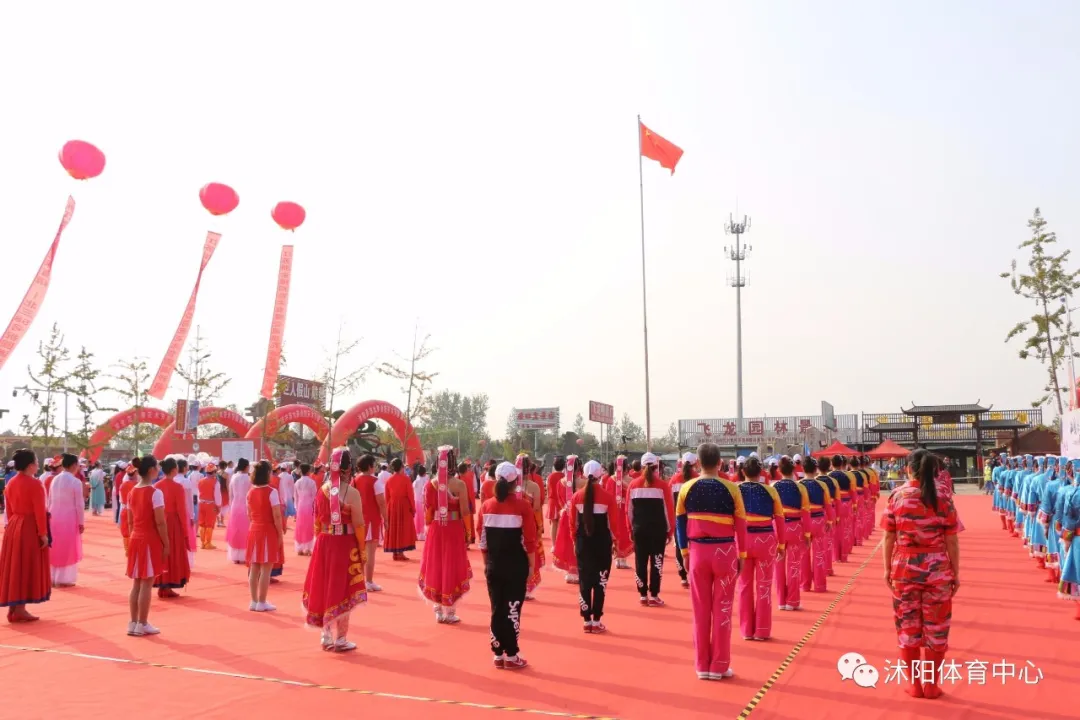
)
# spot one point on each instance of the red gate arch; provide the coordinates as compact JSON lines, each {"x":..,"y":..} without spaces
{"x":207,"y":416}
{"x":278,"y":418}
{"x":359,"y":414}
{"x":107,"y":431}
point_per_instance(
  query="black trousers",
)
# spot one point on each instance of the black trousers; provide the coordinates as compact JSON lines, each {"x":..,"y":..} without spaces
{"x":681,"y":563}
{"x":594,"y":569}
{"x":507,"y":595}
{"x":649,"y":545}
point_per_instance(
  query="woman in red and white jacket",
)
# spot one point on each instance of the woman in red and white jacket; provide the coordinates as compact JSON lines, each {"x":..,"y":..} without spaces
{"x":651,"y":516}
{"x":593,"y":543}
{"x":507,"y":528}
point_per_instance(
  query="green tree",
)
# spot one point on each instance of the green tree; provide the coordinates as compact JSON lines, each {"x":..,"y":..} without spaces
{"x":49,"y":382}
{"x":82,"y":384}
{"x":579,"y":426}
{"x":627,"y":432}
{"x":130,"y":380}
{"x":669,"y":442}
{"x":1049,"y":284}
{"x":204,"y":384}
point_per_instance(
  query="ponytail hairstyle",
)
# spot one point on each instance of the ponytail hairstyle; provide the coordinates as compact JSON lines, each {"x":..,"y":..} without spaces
{"x":687,"y":471}
{"x":787,"y":466}
{"x":594,"y":470}
{"x":650,"y":475}
{"x":491,"y":472}
{"x":611,"y":468}
{"x":925,"y":467}
{"x":809,"y":465}
{"x":502,"y":489}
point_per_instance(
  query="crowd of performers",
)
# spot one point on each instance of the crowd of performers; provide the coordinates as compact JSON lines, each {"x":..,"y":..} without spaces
{"x":748,"y":528}
{"x":1038,"y":500}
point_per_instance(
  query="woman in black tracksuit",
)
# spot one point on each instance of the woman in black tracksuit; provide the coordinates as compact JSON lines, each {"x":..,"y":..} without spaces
{"x":508,"y":540}
{"x":652,"y":522}
{"x":592,"y":545}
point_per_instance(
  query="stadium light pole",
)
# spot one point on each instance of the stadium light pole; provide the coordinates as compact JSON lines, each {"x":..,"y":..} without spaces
{"x":737,"y":253}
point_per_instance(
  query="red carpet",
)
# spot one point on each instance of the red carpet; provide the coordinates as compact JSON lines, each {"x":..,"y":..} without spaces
{"x":217,"y":659}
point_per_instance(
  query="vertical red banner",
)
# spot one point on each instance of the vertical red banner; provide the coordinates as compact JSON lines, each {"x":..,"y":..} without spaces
{"x":277,"y":326}
{"x":172,"y":355}
{"x":35,"y":295}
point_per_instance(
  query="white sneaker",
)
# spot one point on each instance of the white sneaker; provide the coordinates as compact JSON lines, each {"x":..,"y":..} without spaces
{"x":149,"y":629}
{"x":265,"y":607}
{"x":253,"y":606}
{"x":451,"y":618}
{"x":439,"y":616}
{"x":343,"y":645}
{"x":729,"y":673}
{"x":784,"y":607}
{"x":134,"y":629}
{"x":372,"y":587}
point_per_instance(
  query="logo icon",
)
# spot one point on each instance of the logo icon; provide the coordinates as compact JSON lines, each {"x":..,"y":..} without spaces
{"x":853,"y":666}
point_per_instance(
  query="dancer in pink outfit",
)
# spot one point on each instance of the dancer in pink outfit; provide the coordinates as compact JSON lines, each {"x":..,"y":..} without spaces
{"x":816,"y":559}
{"x":66,"y":521}
{"x":764,"y":540}
{"x":796,"y":536}
{"x":710,"y":529}
{"x":304,"y":491}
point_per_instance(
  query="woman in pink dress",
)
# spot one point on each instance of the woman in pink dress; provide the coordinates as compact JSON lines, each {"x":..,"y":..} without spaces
{"x":445,"y":571}
{"x":66,"y":507}
{"x":304,"y":491}
{"x":420,"y":484}
{"x":564,"y":555}
{"x":236,"y":533}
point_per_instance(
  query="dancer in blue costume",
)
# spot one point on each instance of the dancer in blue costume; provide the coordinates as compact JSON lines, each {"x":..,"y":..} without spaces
{"x":1020,"y":482}
{"x":1069,"y":503}
{"x":1009,"y":500}
{"x":1048,"y":519}
{"x":1033,"y":529}
{"x":997,"y":483}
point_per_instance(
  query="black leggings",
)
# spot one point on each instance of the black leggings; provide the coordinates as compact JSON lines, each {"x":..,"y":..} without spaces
{"x":681,"y":564}
{"x":594,"y":569}
{"x":507,"y":595}
{"x":653,"y":566}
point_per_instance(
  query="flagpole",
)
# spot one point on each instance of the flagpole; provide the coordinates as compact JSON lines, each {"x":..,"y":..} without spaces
{"x":644,"y":303}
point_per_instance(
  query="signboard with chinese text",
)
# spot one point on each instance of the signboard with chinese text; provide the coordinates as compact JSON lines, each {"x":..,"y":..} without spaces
{"x":297,"y":391}
{"x":790,"y":430}
{"x":180,"y":426}
{"x":536,"y":418}
{"x":601,"y":413}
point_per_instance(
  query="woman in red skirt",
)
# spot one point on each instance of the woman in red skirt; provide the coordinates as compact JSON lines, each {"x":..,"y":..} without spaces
{"x":177,"y":571}
{"x":266,"y":540}
{"x":400,"y":508}
{"x":529,"y":489}
{"x":148,"y":545}
{"x":564,"y":555}
{"x":616,"y":483}
{"x":25,"y":578}
{"x":335,"y":578}
{"x":445,"y":571}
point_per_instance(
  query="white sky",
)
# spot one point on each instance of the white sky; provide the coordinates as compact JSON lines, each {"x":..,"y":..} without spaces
{"x":474,"y":165}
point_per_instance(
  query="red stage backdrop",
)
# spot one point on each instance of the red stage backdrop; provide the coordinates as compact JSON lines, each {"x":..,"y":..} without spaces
{"x":359,"y":414}
{"x":119,"y":421}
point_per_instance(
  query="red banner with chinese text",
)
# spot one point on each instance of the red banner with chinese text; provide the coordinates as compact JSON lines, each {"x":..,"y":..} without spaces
{"x":172,"y":355}
{"x":277,"y":326}
{"x":35,"y":295}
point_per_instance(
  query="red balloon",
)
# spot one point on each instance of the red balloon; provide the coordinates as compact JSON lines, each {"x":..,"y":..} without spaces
{"x":481,"y":442}
{"x":82,"y":160}
{"x":218,"y":199}
{"x":580,"y":442}
{"x":288,"y":215}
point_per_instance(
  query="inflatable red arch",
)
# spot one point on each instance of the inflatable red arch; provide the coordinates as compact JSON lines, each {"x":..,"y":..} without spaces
{"x":359,"y":414}
{"x":119,"y":421}
{"x":278,"y":418}
{"x":207,"y":416}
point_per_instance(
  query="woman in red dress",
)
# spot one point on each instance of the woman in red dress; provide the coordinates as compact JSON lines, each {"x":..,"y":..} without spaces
{"x":445,"y":571}
{"x":266,"y":541}
{"x":335,"y":578}
{"x":149,"y":544}
{"x":555,"y":497}
{"x":25,"y":578}
{"x":530,"y":490}
{"x":400,"y":508}
{"x":564,"y":555}
{"x":177,"y":571}
{"x":126,"y":482}
{"x":616,"y":484}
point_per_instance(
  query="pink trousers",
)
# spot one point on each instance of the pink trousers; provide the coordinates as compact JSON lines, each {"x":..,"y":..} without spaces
{"x":814,"y":562}
{"x":830,"y":547}
{"x":857,"y":521}
{"x":845,"y":531}
{"x":713,"y":569}
{"x":755,"y":586}
{"x":789,"y":568}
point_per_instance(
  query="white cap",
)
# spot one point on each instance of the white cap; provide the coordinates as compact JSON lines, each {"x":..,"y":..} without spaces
{"x":593,"y":469}
{"x":384,"y":476}
{"x":122,"y":465}
{"x":740,"y":460}
{"x":689,"y":458}
{"x":755,"y":455}
{"x":506,"y":471}
{"x":649,"y":459}
{"x":11,"y":463}
{"x":797,"y":458}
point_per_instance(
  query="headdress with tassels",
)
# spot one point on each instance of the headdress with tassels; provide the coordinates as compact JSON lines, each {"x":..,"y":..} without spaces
{"x":335,"y":485}
{"x":446,"y":456}
{"x":620,"y":472}
{"x":571,"y":462}
{"x":520,"y":464}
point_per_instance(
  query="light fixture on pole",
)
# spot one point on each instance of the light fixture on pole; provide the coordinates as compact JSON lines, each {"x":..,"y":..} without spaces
{"x":738,"y":254}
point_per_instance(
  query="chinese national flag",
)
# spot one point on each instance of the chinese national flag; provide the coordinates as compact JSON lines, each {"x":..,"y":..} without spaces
{"x":657,"y":148}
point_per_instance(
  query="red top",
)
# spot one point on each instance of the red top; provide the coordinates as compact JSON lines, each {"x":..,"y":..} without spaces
{"x":919,"y":528}
{"x":206,"y":489}
{"x":511,"y":506}
{"x":175,"y":499}
{"x":399,"y":489}
{"x":125,"y":488}
{"x":669,"y":506}
{"x":25,"y":495}
{"x":368,"y":497}
{"x":141,"y":504}
{"x":554,"y":495}
{"x":487,"y":491}
{"x":603,"y":504}
{"x":261,"y":502}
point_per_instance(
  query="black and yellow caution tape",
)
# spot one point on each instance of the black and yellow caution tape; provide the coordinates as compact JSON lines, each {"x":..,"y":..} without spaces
{"x":805,"y":639}
{"x":312,"y":686}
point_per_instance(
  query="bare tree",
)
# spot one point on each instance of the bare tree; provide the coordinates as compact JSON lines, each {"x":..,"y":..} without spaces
{"x":49,"y":381}
{"x":336,"y":381}
{"x":418,"y":381}
{"x":131,"y":381}
{"x":82,"y":384}
{"x":204,"y":384}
